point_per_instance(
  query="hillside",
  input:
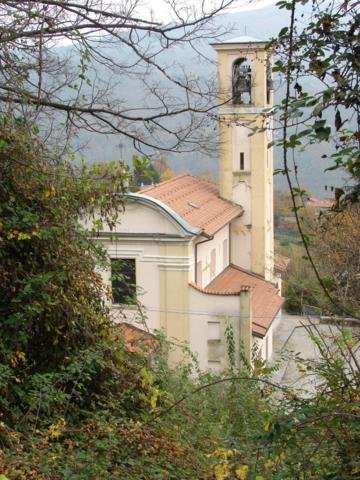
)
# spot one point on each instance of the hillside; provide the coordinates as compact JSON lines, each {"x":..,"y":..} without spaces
{"x":311,"y":167}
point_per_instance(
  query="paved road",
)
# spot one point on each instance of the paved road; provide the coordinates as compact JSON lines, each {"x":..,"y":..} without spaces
{"x":292,"y":338}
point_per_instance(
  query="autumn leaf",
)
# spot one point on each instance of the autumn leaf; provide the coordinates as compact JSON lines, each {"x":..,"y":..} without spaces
{"x":221,"y":471}
{"x":338,"y":120}
{"x":56,"y":429}
{"x":242,"y":472}
{"x":267,"y":426}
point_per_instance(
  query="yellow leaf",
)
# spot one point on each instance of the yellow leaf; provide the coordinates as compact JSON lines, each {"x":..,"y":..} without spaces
{"x":267,"y":426}
{"x":56,"y":429}
{"x":221,"y":471}
{"x":259,"y":477}
{"x":23,"y":236}
{"x":20,"y":356}
{"x":242,"y":472}
{"x":223,"y":453}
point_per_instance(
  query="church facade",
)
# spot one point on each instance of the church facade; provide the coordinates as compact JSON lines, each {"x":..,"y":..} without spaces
{"x":199,"y":257}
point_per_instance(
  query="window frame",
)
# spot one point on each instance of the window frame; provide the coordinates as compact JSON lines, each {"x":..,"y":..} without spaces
{"x":242,"y":161}
{"x":127,"y":292}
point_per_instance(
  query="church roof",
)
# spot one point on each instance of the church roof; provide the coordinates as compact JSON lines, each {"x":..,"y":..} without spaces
{"x":244,"y":39}
{"x":197,"y":201}
{"x":265,"y":299}
{"x":320,"y":202}
{"x":281,"y":262}
{"x":137,"y":340}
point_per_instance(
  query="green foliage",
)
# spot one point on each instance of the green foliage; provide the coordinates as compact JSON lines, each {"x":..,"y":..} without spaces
{"x":323,"y":422}
{"x":300,"y":286}
{"x":333,"y":239}
{"x":52,"y":298}
{"x":324,"y":49}
{"x":75,"y":404}
{"x":144,"y":171}
{"x":336,"y":248}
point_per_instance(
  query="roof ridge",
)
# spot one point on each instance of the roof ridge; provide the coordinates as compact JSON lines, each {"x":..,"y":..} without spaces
{"x":184,"y":192}
{"x":181,"y":189}
{"x":223,"y":272}
{"x":181,"y":175}
{"x":253,"y":274}
{"x":212,"y":182}
{"x":150,"y":187}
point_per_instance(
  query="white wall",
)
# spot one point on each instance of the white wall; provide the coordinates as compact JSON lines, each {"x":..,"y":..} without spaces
{"x":141,"y":218}
{"x":266,"y":345}
{"x":240,"y":244}
{"x":242,"y":196}
{"x":204,"y":255}
{"x":147,"y":260}
{"x":208,"y":315}
{"x":150,"y":228}
{"x":278,"y":281}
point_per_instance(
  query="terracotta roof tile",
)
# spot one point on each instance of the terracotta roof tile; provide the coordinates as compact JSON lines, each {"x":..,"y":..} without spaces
{"x":213,"y":291}
{"x":197,"y":201}
{"x":136,"y":340}
{"x":281,"y":262}
{"x":265,"y":299}
{"x":320,"y":202}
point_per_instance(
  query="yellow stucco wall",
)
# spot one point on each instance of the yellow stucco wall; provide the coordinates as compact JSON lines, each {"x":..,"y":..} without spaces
{"x":174,"y":300}
{"x":260,"y":174}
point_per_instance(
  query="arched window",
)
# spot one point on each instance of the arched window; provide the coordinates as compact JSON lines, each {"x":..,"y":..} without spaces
{"x":241,"y":81}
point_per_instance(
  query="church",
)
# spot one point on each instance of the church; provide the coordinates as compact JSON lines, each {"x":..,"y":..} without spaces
{"x":199,"y":257}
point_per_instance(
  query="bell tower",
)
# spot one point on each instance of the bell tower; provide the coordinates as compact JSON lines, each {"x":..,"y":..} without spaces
{"x":246,"y":162}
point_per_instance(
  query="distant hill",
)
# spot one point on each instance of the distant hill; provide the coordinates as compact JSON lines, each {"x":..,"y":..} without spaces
{"x":263,"y":23}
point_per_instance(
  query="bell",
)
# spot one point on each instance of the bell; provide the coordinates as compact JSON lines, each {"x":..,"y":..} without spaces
{"x":242,"y":85}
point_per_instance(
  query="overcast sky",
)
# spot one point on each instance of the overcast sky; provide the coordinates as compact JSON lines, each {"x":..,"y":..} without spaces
{"x":160,"y":10}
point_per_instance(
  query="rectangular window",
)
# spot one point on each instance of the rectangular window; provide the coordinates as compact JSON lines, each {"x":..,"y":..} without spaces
{"x":199,"y":273}
{"x":213,"y":263}
{"x":123,"y":280}
{"x":242,"y":161}
{"x":225,"y":253}
{"x":214,"y":366}
{"x":214,"y":331}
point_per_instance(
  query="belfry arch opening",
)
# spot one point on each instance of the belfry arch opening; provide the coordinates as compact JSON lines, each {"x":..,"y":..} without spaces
{"x":269,"y":81}
{"x":241,"y":81}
